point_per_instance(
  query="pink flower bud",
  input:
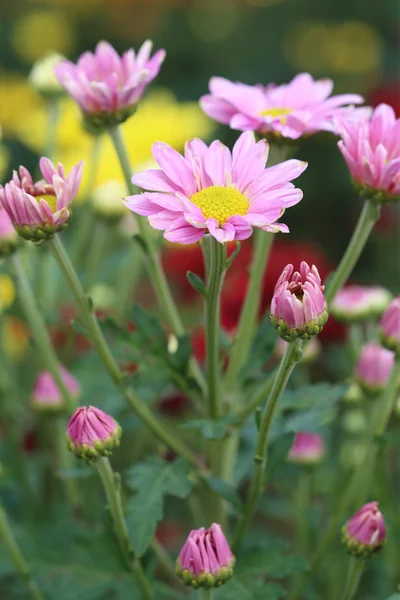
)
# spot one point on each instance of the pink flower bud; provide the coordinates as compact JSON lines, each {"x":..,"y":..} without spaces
{"x":107,"y":86}
{"x":38,"y":210}
{"x":205,"y":559}
{"x":92,"y":433}
{"x":374,"y":367}
{"x":8,"y":235}
{"x":307,"y":449}
{"x":365,"y":533}
{"x":298,"y":307}
{"x":390,"y":327}
{"x":46,"y":395}
{"x":358,"y":303}
{"x":372,"y":153}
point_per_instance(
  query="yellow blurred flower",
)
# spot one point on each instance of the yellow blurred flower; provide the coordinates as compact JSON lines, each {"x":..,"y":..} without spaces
{"x":38,"y":32}
{"x":7,"y":291}
{"x":15,"y":338}
{"x":159,"y":117}
{"x":17,"y":101}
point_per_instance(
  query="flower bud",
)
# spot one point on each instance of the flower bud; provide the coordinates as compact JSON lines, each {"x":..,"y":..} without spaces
{"x":307,"y":449}
{"x":353,"y":394}
{"x":358,"y":303}
{"x":373,"y":368}
{"x":92,"y":433}
{"x":354,"y":421}
{"x":365,"y":533}
{"x":390,"y":327}
{"x":42,"y":77}
{"x":8,"y":235}
{"x":107,"y":201}
{"x":311,"y":350}
{"x":298,"y":307}
{"x":206,"y":559}
{"x":46,"y":395}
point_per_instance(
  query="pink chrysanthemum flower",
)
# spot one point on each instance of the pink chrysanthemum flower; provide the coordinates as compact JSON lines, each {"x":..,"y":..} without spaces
{"x":358,"y":303}
{"x":8,"y":235}
{"x":298,"y":307}
{"x":206,"y":559}
{"x":307,"y":449}
{"x":365,"y":533}
{"x":371,"y":149}
{"x":374,"y":367}
{"x":390,"y":326}
{"x":38,"y":210}
{"x":92,"y":433}
{"x":46,"y":394}
{"x":107,"y":86}
{"x":299,"y":108}
{"x":212,"y":190}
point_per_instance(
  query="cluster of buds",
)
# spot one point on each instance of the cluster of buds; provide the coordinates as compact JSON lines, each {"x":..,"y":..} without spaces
{"x":373,"y":368}
{"x":92,"y":433}
{"x":298,"y":307}
{"x":390,"y":327}
{"x":355,"y":303}
{"x":364,"y":534}
{"x":46,"y":395}
{"x":206,"y":559}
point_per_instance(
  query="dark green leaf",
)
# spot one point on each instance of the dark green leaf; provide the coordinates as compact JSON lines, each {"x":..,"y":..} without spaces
{"x":226,"y":490}
{"x":240,"y":590}
{"x":272,"y":563}
{"x":196,"y":282}
{"x":211,"y":429}
{"x":277,"y":454}
{"x":152,"y":480}
{"x":261,"y":350}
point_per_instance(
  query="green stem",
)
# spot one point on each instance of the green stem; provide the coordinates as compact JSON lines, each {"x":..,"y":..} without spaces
{"x":96,"y":335}
{"x":99,"y":242}
{"x":249,"y":314}
{"x":354,"y":574}
{"x":7,"y":536}
{"x":259,"y":397}
{"x":215,"y":259}
{"x":366,"y":222}
{"x":290,"y":358}
{"x":127,"y":277}
{"x":158,"y":278}
{"x":164,"y":559}
{"x":206,"y":594}
{"x":111,"y":488}
{"x":39,"y":329}
{"x":302,"y":505}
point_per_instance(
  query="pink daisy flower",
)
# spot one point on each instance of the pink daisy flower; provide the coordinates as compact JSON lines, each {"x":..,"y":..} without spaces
{"x":371,"y":149}
{"x":213,"y":190}
{"x":299,"y":108}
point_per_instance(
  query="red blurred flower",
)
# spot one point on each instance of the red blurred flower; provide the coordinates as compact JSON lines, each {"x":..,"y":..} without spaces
{"x":387,"y":93}
{"x":174,"y":404}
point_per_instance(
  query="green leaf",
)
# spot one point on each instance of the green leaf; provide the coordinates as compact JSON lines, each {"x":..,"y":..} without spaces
{"x":149,"y":328}
{"x":240,"y":590}
{"x":394,"y":597}
{"x":197,"y":283}
{"x":209,"y":428}
{"x":273,"y":563}
{"x":277,"y":454}
{"x":226,"y":490}
{"x":261,"y":350}
{"x":152,"y":480}
{"x":179,"y":360}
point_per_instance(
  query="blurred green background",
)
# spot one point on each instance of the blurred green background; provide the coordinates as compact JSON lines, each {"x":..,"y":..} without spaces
{"x":355,"y":43}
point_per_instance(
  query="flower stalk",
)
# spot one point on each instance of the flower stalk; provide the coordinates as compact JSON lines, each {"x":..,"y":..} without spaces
{"x":13,"y":549}
{"x":290,"y":358}
{"x":354,"y":574}
{"x":111,"y":488}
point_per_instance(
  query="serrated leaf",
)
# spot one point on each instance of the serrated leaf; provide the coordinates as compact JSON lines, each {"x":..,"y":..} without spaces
{"x":149,"y":328}
{"x":225,"y":490}
{"x":197,"y":283}
{"x":152,"y":480}
{"x":209,"y":428}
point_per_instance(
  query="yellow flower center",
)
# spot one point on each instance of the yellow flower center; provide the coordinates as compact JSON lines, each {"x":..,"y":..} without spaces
{"x":276,"y":112}
{"x":220,"y":203}
{"x":51,"y":201}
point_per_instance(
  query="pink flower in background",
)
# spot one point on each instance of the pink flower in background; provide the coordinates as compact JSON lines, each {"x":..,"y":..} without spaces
{"x":213,"y":190}
{"x":299,"y":108}
{"x":365,"y":532}
{"x":307,"y":448}
{"x":390,"y":326}
{"x":8,"y":235}
{"x":46,"y":394}
{"x":371,"y":149}
{"x":358,"y":302}
{"x":374,"y":367}
{"x":206,"y":559}
{"x":298,"y":307}
{"x":104,"y":83}
{"x":38,"y":210}
{"x":92,"y":432}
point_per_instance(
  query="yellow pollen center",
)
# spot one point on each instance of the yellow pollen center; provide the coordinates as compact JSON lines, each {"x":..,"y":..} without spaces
{"x":220,"y":203}
{"x":51,"y":201}
{"x":276,"y":112}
